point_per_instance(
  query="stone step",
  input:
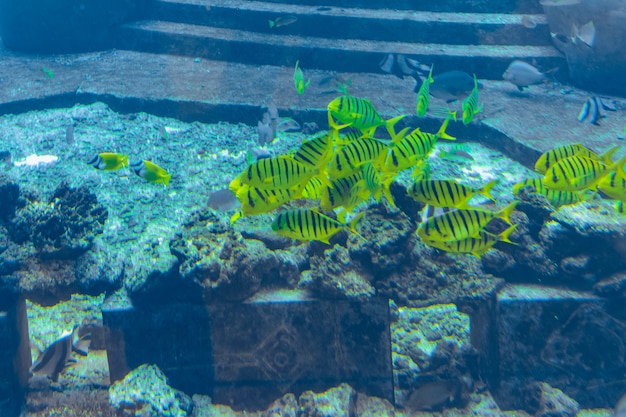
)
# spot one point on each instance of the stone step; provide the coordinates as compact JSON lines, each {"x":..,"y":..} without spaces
{"x":343,"y":55}
{"x":474,"y":6}
{"x":365,"y":24}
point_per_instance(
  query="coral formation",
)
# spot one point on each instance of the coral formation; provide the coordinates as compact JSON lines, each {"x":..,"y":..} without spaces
{"x":144,"y":392}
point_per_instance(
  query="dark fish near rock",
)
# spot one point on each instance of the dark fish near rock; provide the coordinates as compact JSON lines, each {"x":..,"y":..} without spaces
{"x":223,"y":200}
{"x":452,"y":85}
{"x":432,"y":395}
{"x":58,"y":356}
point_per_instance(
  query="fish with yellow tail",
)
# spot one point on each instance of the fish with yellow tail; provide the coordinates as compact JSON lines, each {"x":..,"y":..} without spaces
{"x":151,"y":172}
{"x":614,"y":186}
{"x":578,"y":173}
{"x":310,"y":224}
{"x":476,"y":246}
{"x":255,"y":200}
{"x":461,"y":224}
{"x":551,"y":157}
{"x":347,"y":159}
{"x":298,"y":80}
{"x":407,"y":151}
{"x":470,"y":104}
{"x":423,"y":95}
{"x":315,"y":152}
{"x":109,"y":161}
{"x":360,"y":114}
{"x":447,"y":193}
{"x":556,"y":198}
{"x":276,"y":172}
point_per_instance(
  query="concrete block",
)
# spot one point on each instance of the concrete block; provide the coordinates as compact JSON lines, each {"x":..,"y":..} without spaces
{"x":246,"y":355}
{"x":563,"y":337}
{"x":14,"y":351}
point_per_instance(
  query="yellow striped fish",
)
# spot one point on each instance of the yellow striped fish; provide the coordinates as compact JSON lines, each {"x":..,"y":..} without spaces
{"x":551,"y":157}
{"x":476,"y":246}
{"x":347,"y":159}
{"x":461,"y":224}
{"x":470,"y":104}
{"x":556,"y":198}
{"x":579,"y":173}
{"x":412,"y":148}
{"x":348,"y":192}
{"x":447,"y":193}
{"x":277,"y":172}
{"x":313,"y":189}
{"x":309,"y":224}
{"x":255,"y":200}
{"x":423,"y":95}
{"x":613,"y":186}
{"x":358,"y":113}
{"x":619,"y":207}
{"x":315,"y":152}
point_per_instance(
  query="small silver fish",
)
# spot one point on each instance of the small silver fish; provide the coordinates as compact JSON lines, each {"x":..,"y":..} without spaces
{"x":522,"y":74}
{"x":283,"y":21}
{"x":287,"y":124}
{"x":57,"y":357}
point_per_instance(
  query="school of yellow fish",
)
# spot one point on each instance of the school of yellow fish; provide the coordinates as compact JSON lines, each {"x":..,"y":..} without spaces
{"x":573,"y":173}
{"x":348,"y":165}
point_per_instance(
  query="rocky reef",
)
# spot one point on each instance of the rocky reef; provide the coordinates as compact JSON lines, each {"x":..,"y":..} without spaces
{"x":47,"y":242}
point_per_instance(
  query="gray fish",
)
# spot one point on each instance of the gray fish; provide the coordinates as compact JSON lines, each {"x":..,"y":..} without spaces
{"x":223,"y":200}
{"x":57,"y":357}
{"x":452,"y":85}
{"x":264,"y":132}
{"x":432,"y":395}
{"x":283,"y":21}
{"x":287,"y":124}
{"x":522,"y":74}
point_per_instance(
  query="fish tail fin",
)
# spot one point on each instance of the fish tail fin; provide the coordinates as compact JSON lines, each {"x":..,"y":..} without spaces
{"x":354,"y":222}
{"x":505,"y":213}
{"x":486,"y":189}
{"x":238,"y":215}
{"x":387,"y":189}
{"x":400,"y":135}
{"x":504,"y":236}
{"x":441,"y":134}
{"x":334,"y":125}
{"x":166,"y":179}
{"x":606,"y":156}
{"x":618,"y":167}
{"x":125,"y":161}
{"x":430,"y":74}
{"x":272,"y":23}
{"x":391,"y":123}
